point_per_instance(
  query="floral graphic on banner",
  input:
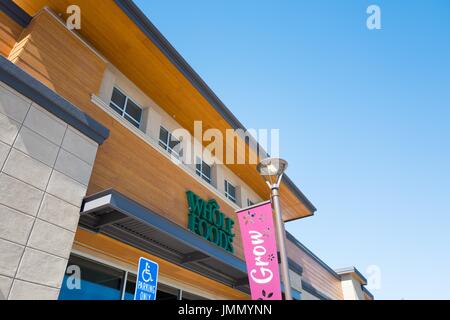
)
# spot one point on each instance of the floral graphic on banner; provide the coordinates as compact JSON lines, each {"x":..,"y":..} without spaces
{"x":265,"y":296}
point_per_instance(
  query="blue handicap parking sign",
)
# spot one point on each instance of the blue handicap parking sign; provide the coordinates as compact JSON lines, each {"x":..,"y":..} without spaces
{"x":147,"y":280}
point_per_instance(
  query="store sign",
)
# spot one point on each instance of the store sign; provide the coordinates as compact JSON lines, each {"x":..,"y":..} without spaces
{"x":147,"y":280}
{"x":260,"y":250}
{"x":206,"y":220}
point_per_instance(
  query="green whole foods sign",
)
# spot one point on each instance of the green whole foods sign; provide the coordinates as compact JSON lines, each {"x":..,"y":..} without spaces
{"x":206,"y":220}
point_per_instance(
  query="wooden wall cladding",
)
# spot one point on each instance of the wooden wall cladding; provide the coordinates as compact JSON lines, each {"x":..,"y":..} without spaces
{"x":9,"y":34}
{"x":315,"y":274}
{"x":58,"y":59}
{"x":124,"y":44}
{"x":124,"y":162}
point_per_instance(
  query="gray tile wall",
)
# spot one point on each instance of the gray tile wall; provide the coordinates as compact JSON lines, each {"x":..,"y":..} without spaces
{"x":45,"y":167}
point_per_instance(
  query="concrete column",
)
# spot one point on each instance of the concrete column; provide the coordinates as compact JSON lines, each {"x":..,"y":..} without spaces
{"x":218,"y":177}
{"x":45,"y":167}
{"x":351,"y":288}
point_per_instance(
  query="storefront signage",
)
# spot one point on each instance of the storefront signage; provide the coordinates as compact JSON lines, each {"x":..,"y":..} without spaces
{"x":206,"y":220}
{"x":147,"y":280}
{"x":260,"y":250}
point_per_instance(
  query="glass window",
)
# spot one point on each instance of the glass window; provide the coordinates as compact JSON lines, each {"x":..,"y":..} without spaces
{"x":250,"y":203}
{"x":87,"y":280}
{"x":118,"y":99}
{"x":90,"y":280}
{"x":230,"y":191}
{"x":163,"y":137}
{"x":133,"y":112}
{"x":164,"y":292}
{"x":126,"y":108}
{"x":203,"y":170}
{"x":169,"y":143}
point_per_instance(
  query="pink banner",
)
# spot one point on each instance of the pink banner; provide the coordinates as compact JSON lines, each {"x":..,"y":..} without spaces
{"x":260,"y":250}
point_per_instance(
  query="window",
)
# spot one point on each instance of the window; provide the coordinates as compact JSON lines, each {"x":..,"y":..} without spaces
{"x":127,"y":109}
{"x":98,"y":282}
{"x":169,"y":143}
{"x":164,"y":292}
{"x":250,"y":203}
{"x":230,"y":191}
{"x":203,"y":170}
{"x":102,"y":282}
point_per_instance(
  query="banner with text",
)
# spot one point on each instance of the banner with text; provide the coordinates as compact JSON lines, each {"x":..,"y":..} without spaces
{"x":260,"y":250}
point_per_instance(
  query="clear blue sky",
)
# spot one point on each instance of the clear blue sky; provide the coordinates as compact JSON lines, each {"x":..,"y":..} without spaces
{"x":364,"y":118}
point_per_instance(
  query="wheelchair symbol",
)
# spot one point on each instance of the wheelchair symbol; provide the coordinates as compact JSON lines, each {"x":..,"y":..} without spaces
{"x":146,"y":275}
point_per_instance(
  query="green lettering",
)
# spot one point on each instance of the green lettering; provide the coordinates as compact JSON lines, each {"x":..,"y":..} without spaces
{"x":229,"y":226}
{"x":206,"y":220}
{"x":203,"y":229}
{"x":196,"y":204}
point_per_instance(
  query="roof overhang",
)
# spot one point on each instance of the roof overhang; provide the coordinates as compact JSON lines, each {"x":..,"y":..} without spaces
{"x":153,"y":64}
{"x":121,"y":218}
{"x":368,"y":293}
{"x":358,"y":276}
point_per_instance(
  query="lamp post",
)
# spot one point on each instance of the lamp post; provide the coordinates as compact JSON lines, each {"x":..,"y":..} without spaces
{"x":272,"y":169}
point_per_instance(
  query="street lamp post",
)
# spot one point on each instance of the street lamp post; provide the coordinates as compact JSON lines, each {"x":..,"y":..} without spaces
{"x":272,"y":169}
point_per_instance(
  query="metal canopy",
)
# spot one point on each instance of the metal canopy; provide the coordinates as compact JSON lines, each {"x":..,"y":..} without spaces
{"x":119,"y":217}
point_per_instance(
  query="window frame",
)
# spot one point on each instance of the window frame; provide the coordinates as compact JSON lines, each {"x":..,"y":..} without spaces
{"x":124,"y":113}
{"x":227,"y":192}
{"x":166,"y":144}
{"x":200,"y":162}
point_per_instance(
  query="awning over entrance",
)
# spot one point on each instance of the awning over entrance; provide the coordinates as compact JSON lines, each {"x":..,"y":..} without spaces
{"x":119,"y":217}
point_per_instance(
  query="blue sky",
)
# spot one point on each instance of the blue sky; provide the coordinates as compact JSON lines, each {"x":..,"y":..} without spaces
{"x":364,"y":118}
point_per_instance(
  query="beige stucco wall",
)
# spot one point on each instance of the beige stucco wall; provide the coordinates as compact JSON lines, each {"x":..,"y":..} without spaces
{"x":351,"y":288}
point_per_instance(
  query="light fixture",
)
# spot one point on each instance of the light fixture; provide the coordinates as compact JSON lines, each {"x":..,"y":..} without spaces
{"x":272,"y":170}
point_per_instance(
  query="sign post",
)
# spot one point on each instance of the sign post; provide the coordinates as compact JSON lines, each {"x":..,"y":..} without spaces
{"x":260,"y":250}
{"x":147,"y":280}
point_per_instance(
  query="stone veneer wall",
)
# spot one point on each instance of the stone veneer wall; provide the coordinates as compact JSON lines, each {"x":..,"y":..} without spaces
{"x":45,"y":169}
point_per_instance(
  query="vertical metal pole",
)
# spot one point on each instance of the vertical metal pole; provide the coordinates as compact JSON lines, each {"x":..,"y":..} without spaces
{"x":281,"y":237}
{"x":124,"y":286}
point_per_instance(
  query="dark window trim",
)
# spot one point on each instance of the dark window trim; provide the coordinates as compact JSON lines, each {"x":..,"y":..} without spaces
{"x":124,"y":110}
{"x":200,"y":172}
{"x":166,"y":144}
{"x":310,"y":289}
{"x":15,"y":12}
{"x":227,"y":192}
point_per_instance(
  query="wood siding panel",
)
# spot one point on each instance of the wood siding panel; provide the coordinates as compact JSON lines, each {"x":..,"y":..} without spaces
{"x":9,"y":33}
{"x":114,"y":35}
{"x":137,"y":170}
{"x":124,"y":162}
{"x":314,"y":273}
{"x":57,"y":58}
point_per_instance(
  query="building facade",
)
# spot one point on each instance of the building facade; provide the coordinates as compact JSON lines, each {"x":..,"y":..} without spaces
{"x":94,"y":173}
